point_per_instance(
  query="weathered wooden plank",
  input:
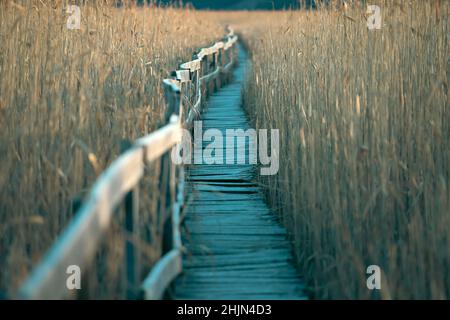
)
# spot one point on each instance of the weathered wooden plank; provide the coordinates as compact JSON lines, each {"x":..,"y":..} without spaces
{"x":216,"y":261}
{"x":237,"y":295}
{"x":159,"y":142}
{"x":249,"y":288}
{"x":242,"y":255}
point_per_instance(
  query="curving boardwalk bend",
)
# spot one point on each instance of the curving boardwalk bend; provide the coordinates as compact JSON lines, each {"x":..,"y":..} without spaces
{"x":235,"y":246}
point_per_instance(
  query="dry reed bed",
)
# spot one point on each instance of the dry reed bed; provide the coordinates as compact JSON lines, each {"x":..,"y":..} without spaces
{"x":365,"y":154}
{"x":67,"y":99}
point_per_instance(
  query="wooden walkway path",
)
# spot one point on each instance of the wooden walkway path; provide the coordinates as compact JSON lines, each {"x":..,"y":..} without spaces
{"x":236,"y":248}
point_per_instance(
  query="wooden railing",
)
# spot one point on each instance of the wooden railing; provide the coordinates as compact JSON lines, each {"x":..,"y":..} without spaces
{"x":185,"y":95}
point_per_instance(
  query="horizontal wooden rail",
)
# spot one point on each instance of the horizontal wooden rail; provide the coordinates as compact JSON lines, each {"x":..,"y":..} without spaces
{"x":80,"y":240}
{"x":193,"y":65}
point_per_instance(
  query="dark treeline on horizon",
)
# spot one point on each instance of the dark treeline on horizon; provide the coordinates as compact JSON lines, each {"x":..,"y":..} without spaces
{"x":239,"y":4}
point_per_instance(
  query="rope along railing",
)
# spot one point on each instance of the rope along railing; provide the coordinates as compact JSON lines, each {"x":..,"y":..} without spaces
{"x":185,"y":95}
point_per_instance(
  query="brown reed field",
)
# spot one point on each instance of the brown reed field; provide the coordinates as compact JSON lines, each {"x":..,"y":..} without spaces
{"x":363,"y":118}
{"x":67,"y":100}
{"x":364,"y":143}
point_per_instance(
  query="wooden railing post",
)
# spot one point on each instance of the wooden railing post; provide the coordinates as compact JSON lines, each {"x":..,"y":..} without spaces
{"x":222,"y":57}
{"x":230,"y":51}
{"x":166,"y":205}
{"x":206,"y":71}
{"x":166,"y":198}
{"x":216,"y":65}
{"x":223,"y":63}
{"x":131,"y":248}
{"x":132,"y":261}
{"x":198,"y":86}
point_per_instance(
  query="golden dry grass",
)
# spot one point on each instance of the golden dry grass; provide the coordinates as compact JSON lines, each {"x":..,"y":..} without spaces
{"x":67,"y":99}
{"x":365,"y":154}
{"x":363,"y":119}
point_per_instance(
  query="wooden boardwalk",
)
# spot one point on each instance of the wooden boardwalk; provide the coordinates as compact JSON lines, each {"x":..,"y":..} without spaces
{"x":236,"y":248}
